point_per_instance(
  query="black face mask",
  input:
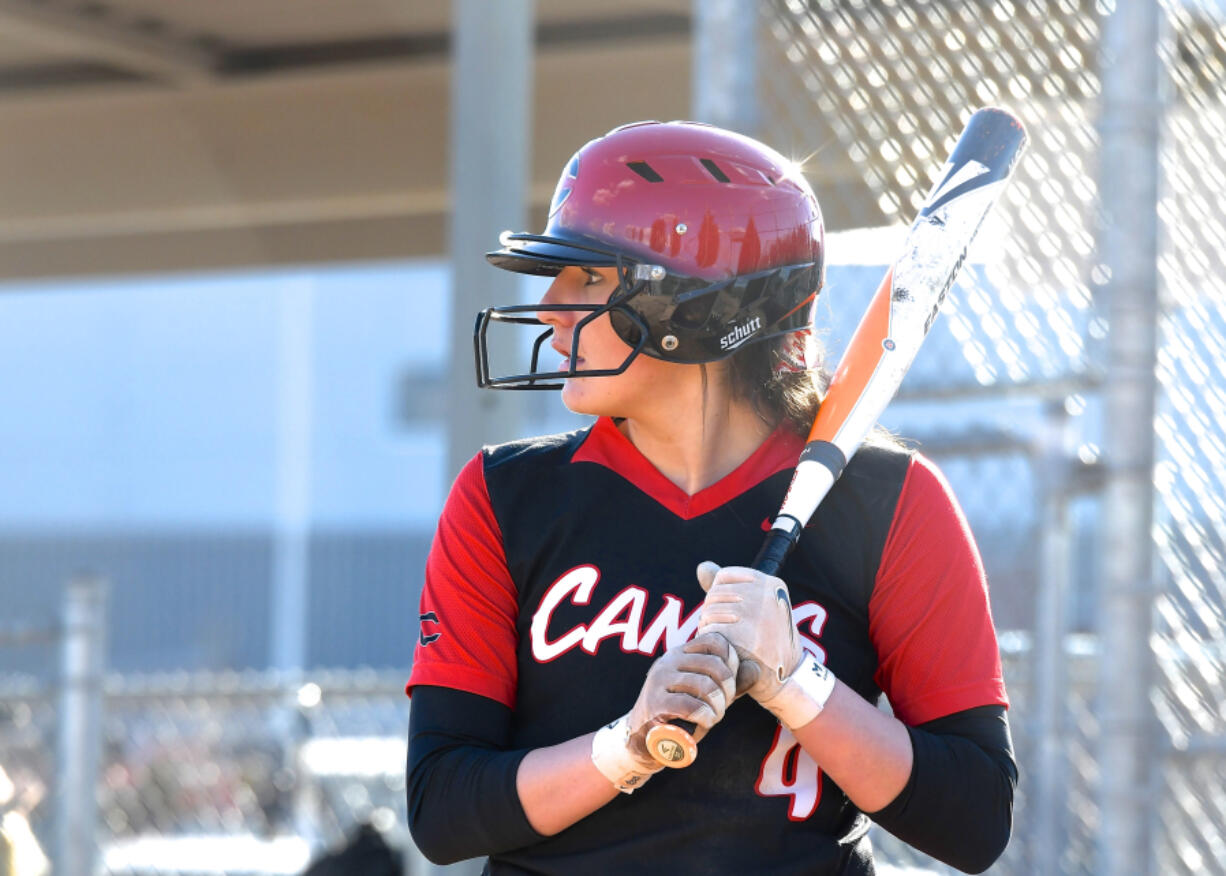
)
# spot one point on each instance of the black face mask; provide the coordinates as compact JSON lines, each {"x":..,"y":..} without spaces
{"x":629,"y":285}
{"x":687,"y":320}
{"x":534,"y":378}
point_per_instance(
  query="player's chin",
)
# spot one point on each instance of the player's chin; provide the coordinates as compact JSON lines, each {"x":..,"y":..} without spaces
{"x":588,"y":396}
{"x":577,"y":396}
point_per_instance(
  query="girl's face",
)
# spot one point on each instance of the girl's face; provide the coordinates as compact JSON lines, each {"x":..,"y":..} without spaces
{"x":646,"y":384}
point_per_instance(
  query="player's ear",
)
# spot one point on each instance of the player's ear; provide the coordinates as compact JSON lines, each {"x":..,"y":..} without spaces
{"x":707,"y":571}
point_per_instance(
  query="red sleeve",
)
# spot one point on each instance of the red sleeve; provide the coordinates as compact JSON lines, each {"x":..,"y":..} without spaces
{"x":467,"y":639}
{"x":929,"y":616}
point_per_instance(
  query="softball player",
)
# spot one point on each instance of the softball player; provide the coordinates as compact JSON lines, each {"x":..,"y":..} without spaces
{"x":562,"y":618}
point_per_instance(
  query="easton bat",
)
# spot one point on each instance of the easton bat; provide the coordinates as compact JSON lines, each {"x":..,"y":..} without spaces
{"x":884,"y":345}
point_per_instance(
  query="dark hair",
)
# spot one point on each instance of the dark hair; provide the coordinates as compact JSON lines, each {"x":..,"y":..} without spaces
{"x":780,"y":395}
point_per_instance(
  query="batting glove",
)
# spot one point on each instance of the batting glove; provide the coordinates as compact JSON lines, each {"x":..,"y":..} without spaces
{"x":754,"y":612}
{"x":693,"y":682}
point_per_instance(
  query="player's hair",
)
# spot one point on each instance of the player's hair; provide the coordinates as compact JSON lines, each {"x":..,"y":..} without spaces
{"x":779,"y":394}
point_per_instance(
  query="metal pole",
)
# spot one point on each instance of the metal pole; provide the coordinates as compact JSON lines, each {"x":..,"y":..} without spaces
{"x":725,"y":64}
{"x":491,"y":116}
{"x":79,"y":743}
{"x":1050,"y":806}
{"x":1129,"y":126}
{"x":291,"y":549}
{"x":296,"y":729}
{"x":491,"y":119}
{"x":287,"y":644}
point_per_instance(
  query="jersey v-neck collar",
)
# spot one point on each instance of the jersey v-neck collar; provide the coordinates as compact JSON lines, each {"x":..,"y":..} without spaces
{"x":605,"y":445}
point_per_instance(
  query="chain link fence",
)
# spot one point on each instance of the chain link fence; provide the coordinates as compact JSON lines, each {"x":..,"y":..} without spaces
{"x":27,"y":753}
{"x":874,"y":94}
{"x":211,"y":773}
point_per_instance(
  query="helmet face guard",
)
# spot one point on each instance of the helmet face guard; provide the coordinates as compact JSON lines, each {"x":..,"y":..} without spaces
{"x":716,"y":241}
{"x":533,"y":378}
{"x":674,"y":319}
{"x":522,"y":314}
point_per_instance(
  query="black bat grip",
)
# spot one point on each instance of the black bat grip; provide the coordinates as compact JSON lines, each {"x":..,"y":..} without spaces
{"x":775,"y":550}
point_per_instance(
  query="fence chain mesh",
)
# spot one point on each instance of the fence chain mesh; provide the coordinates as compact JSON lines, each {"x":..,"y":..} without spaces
{"x":873,"y":94}
{"x":884,"y":87}
{"x":1190,"y":477}
{"x":224,"y":772}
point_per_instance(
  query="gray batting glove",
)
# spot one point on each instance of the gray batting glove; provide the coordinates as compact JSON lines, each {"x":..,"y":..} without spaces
{"x":693,"y":682}
{"x":754,"y":612}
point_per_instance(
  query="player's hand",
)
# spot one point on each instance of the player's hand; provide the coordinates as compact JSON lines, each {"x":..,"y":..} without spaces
{"x":753,"y":611}
{"x":693,"y":682}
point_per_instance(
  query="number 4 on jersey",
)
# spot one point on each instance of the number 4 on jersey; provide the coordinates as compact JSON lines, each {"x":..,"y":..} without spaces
{"x":788,"y":771}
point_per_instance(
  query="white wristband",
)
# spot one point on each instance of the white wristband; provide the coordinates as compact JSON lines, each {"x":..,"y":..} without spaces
{"x":803,"y":695}
{"x":611,"y":755}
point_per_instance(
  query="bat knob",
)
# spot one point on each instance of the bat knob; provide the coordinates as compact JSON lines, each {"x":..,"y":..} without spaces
{"x":671,"y":746}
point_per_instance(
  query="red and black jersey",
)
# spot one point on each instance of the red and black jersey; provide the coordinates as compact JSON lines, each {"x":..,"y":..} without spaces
{"x":563,"y":566}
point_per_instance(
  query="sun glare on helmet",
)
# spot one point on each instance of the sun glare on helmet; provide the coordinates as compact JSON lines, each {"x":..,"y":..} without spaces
{"x":794,"y":168}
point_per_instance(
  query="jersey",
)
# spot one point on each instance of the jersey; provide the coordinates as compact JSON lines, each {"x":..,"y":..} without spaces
{"x":563,"y":566}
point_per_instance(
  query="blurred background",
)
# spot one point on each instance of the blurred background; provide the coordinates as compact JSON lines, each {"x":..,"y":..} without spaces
{"x":240,"y":255}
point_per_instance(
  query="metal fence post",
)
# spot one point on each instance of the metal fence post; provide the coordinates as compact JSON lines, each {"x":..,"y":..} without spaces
{"x":491,"y":91}
{"x":294,"y":724}
{"x":80,"y":725}
{"x":1047,"y":801}
{"x":1129,"y":171}
{"x":725,"y":64}
{"x":291,"y":578}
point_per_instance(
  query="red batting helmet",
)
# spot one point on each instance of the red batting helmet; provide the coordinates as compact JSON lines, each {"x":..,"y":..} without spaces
{"x":717,"y":240}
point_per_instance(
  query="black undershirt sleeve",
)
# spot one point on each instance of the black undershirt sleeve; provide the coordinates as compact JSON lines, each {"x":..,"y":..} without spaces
{"x":462,"y":799}
{"x":957,"y":805}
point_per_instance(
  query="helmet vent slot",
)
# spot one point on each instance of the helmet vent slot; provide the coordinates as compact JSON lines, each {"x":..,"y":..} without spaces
{"x":645,"y":170}
{"x":713,"y":169}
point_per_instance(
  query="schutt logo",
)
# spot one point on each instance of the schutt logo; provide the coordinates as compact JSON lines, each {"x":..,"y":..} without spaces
{"x":740,"y":334}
